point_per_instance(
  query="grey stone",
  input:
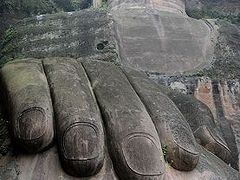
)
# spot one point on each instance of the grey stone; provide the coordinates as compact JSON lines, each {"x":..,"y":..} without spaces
{"x":155,"y":38}
{"x":78,"y":120}
{"x":76,"y":35}
{"x":133,"y":140}
{"x":29,"y":104}
{"x":174,"y":131}
{"x":46,"y":165}
{"x":139,"y":116}
{"x":201,"y":120}
{"x":131,"y":136}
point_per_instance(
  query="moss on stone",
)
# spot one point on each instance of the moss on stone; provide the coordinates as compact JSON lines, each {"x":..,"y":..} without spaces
{"x":227,"y":53}
{"x":7,"y":48}
{"x":4,"y":135}
{"x":83,"y":34}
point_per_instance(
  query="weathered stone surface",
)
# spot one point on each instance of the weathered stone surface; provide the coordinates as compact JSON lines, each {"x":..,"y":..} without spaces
{"x":133,"y":140}
{"x":4,"y":134}
{"x":74,"y":34}
{"x":158,"y":19}
{"x":201,"y":121}
{"x":97,"y":3}
{"x":209,"y":167}
{"x":30,"y":106}
{"x":222,"y":98}
{"x":45,"y":165}
{"x":176,"y":6}
{"x":225,"y":101}
{"x":155,"y":36}
{"x":229,"y":93}
{"x":174,"y":132}
{"x":78,"y":120}
{"x":153,"y":39}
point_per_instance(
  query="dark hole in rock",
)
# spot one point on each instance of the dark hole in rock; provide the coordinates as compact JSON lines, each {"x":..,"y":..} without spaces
{"x":105,"y":42}
{"x":101,"y":45}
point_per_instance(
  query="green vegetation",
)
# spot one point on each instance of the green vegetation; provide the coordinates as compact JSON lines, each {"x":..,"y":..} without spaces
{"x":33,"y":7}
{"x":207,"y":13}
{"x":226,"y":63}
{"x":72,"y":5}
{"x":27,"y":7}
{"x":104,"y":5}
{"x":7,"y":5}
{"x":6,"y":47}
{"x":4,"y":145}
{"x":165,"y":150}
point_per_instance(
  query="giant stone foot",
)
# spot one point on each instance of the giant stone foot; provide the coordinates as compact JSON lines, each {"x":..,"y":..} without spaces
{"x":143,"y":125}
{"x":111,"y":121}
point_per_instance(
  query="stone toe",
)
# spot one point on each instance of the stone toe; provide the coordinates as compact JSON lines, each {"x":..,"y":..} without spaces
{"x":82,"y":150}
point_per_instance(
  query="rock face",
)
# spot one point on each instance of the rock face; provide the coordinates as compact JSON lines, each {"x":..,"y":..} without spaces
{"x":156,"y":36}
{"x":176,"y":6}
{"x":111,"y":120}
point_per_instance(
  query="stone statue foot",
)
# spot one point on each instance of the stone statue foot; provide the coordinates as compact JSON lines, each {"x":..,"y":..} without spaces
{"x":98,"y":105}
